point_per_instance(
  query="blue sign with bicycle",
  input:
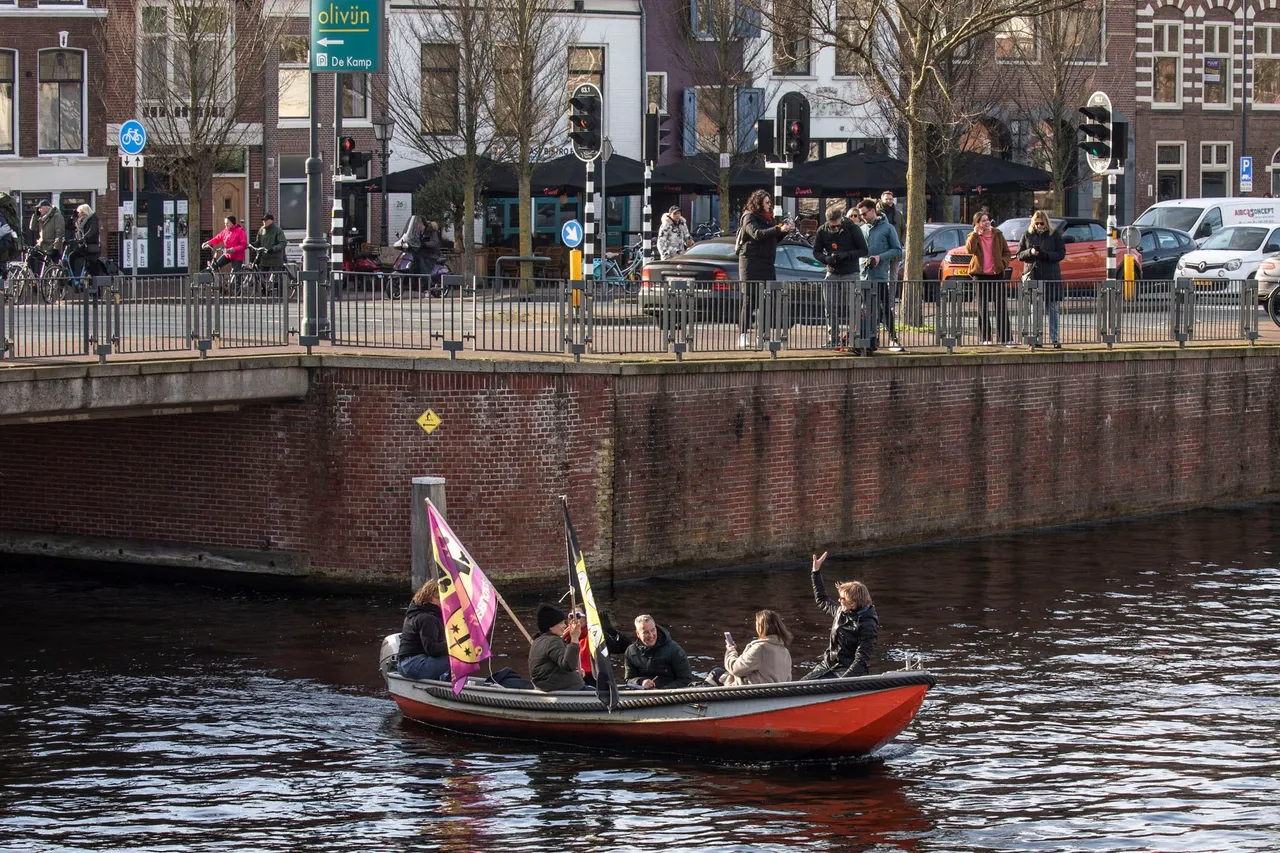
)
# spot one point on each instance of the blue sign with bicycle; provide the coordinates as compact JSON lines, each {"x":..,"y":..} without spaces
{"x":133,"y":137}
{"x":571,"y":233}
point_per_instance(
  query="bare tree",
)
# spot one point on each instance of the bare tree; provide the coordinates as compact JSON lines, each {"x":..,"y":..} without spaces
{"x":1060,"y":55}
{"x":532,"y":41}
{"x":900,"y":45}
{"x":196,"y":76}
{"x":442,"y":111}
{"x":725,"y":54}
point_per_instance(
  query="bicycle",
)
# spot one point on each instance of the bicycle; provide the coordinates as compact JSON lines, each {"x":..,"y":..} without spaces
{"x":707,"y":230}
{"x":266,"y":281}
{"x":626,"y":277}
{"x":234,"y":283}
{"x":60,"y":279}
{"x":23,"y":279}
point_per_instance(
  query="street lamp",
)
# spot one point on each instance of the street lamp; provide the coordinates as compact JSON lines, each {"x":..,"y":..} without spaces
{"x":383,"y":128}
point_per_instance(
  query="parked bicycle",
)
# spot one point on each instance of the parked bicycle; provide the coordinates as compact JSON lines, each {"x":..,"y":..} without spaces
{"x":23,"y":282}
{"x":621,"y":269}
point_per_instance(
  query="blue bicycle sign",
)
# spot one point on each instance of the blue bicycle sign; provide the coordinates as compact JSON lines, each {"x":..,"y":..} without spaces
{"x":133,"y":137}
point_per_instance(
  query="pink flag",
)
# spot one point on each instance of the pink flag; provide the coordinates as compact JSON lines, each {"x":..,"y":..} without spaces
{"x":467,"y":601}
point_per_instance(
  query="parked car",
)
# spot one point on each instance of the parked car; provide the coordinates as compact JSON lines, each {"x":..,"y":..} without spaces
{"x":1201,"y":217}
{"x":939,"y":238}
{"x":1231,"y":255}
{"x":1161,"y":248}
{"x":710,"y":270}
{"x":1084,"y":266}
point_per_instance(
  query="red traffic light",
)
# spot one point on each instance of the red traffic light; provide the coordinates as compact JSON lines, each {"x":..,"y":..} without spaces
{"x":795,"y":128}
{"x":348,"y":144}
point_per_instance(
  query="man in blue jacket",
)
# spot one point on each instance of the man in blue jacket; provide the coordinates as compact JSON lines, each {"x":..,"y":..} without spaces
{"x":884,"y":250}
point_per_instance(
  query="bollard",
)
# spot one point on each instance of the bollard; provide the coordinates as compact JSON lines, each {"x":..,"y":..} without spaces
{"x":422,"y":566}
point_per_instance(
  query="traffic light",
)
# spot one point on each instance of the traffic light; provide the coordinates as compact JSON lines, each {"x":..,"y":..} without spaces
{"x":1097,"y":133}
{"x":793,"y":119}
{"x":655,"y":136}
{"x":766,"y":138}
{"x":346,"y":147}
{"x":586,"y":110}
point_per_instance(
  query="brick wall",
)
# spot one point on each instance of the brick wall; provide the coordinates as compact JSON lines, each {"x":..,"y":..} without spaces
{"x":665,"y":466}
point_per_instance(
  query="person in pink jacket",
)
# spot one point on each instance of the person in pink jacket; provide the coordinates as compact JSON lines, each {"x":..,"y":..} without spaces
{"x":233,"y":240}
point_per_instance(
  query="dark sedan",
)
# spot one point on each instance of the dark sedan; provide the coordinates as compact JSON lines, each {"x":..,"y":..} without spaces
{"x":1161,"y":248}
{"x":710,"y":271}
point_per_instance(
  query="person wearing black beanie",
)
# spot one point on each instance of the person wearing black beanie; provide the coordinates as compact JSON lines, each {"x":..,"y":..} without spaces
{"x":553,"y":657}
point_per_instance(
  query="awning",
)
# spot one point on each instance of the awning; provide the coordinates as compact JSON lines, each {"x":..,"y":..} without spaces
{"x":982,"y":174}
{"x":852,"y":175}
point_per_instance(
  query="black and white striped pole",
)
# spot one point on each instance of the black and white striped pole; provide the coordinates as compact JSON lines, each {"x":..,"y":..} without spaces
{"x":648,"y":211}
{"x":1105,"y":153}
{"x":589,"y":224}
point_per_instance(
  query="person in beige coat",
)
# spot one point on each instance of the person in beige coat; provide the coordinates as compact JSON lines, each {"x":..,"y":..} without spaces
{"x":765,"y":660}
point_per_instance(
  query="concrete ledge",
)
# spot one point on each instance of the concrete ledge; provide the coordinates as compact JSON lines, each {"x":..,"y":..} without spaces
{"x":40,"y":395}
{"x":149,"y":553}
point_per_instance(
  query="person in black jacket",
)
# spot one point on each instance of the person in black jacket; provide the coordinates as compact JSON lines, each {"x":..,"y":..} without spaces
{"x":757,"y":250}
{"x":838,"y":245}
{"x":854,"y":625}
{"x":87,"y":254}
{"x":656,"y":660}
{"x":1041,"y":251}
{"x":423,"y":652}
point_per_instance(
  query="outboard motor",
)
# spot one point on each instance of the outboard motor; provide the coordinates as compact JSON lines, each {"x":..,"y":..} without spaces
{"x":389,"y":653}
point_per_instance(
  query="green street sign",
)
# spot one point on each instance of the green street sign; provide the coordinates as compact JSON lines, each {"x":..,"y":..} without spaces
{"x":346,"y":37}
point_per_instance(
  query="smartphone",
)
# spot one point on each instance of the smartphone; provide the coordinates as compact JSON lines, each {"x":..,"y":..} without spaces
{"x":728,"y":638}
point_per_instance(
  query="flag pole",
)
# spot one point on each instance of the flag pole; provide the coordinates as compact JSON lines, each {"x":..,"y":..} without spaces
{"x":519,"y":624}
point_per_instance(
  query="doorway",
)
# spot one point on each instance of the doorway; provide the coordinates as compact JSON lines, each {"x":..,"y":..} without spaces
{"x":230,"y":198}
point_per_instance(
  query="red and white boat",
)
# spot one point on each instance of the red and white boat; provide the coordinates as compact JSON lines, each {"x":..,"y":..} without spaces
{"x":827,"y":718}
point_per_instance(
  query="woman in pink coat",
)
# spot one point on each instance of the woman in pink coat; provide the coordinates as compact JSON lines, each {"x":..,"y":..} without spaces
{"x":233,"y":240}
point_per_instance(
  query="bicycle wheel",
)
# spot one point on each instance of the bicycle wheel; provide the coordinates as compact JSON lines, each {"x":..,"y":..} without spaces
{"x":48,"y":285}
{"x":1273,"y":308}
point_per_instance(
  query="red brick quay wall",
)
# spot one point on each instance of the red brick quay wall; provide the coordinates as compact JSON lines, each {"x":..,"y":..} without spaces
{"x":667,"y":466}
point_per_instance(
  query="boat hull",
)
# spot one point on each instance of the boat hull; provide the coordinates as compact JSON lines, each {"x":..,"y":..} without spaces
{"x":835,"y":718}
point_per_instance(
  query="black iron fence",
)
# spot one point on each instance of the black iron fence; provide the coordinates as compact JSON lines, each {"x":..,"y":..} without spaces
{"x":155,"y":314}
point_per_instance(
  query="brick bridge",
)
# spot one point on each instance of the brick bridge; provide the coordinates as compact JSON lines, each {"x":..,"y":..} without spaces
{"x":302,"y":465}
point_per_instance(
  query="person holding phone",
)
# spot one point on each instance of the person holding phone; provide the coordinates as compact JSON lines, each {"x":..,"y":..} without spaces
{"x":1041,"y":251}
{"x":553,"y":657}
{"x":765,"y":660}
{"x":884,"y":249}
{"x":854,"y":626}
{"x":988,"y":259}
{"x":757,"y":251}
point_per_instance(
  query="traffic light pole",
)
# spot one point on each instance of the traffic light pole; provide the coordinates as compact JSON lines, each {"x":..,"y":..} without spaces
{"x":648,"y":211}
{"x":589,"y":223}
{"x":336,"y":235}
{"x":313,"y":327}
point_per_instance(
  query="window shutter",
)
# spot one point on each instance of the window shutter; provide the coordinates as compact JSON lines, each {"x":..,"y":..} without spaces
{"x":693,"y":18}
{"x":746,"y":22}
{"x":690,"y":121}
{"x":750,"y":108}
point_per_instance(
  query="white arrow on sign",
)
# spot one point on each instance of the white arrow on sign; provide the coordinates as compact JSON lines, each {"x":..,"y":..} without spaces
{"x":328,"y":41}
{"x":134,"y":161}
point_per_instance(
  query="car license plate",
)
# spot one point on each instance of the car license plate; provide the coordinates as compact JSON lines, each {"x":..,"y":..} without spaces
{"x":1205,"y":282}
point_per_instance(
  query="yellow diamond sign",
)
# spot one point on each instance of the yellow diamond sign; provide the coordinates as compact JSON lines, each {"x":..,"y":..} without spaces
{"x":429,"y":420}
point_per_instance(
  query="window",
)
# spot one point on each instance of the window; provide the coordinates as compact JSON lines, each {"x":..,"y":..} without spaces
{"x":1016,"y":39}
{"x":355,"y":96}
{"x":439,"y":88}
{"x":1266,"y":66}
{"x":8,"y":64}
{"x":1217,"y":65}
{"x":175,"y":45}
{"x":295,"y":78}
{"x":710,"y":19}
{"x":586,"y":65}
{"x":1082,"y":31}
{"x":791,"y":48}
{"x":1166,"y":63}
{"x":848,"y":35}
{"x":1148,"y":242}
{"x":154,"y":45}
{"x":1170,"y":171}
{"x":293,"y":192}
{"x":656,"y":92}
{"x":1215,"y":169}
{"x":1275,"y":174}
{"x":61,"y":101}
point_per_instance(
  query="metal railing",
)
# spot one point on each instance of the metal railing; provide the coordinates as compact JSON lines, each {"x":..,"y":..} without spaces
{"x":156,"y":314}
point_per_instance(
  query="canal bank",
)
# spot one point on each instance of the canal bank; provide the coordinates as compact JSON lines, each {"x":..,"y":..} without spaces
{"x":668,"y":466}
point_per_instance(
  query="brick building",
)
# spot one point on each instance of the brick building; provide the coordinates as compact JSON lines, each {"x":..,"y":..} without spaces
{"x":1208,"y":92}
{"x":50,"y":54}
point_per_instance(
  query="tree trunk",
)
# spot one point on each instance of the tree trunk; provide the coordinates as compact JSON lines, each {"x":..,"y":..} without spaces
{"x":468,"y":218}
{"x":726,"y":215}
{"x":195,"y":210}
{"x":913,"y":271}
{"x":526,"y":223}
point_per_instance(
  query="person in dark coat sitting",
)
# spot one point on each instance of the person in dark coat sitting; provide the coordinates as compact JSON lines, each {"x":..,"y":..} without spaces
{"x":423,"y":652}
{"x":656,"y":660}
{"x":854,"y":625}
{"x":757,"y":250}
{"x":1041,"y":251}
{"x":553,"y":657}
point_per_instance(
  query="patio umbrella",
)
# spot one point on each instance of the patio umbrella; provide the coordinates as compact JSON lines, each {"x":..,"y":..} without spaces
{"x":498,"y":179}
{"x":568,"y":175}
{"x":855,"y":174}
{"x":982,"y":173}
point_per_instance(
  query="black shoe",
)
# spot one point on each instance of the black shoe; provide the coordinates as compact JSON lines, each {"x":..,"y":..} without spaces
{"x":1057,"y":345}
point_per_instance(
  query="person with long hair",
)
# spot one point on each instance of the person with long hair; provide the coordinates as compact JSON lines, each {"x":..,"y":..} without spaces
{"x":854,"y":626}
{"x":765,"y":660}
{"x":1041,"y":251}
{"x":757,"y":250}
{"x":988,"y":259}
{"x":423,"y":651}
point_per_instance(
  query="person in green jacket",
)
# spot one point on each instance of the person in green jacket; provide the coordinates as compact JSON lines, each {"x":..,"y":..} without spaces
{"x":270,"y":242}
{"x":48,"y":222}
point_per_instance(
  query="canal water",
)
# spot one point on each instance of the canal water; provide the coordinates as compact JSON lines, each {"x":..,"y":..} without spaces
{"x":1112,"y":688}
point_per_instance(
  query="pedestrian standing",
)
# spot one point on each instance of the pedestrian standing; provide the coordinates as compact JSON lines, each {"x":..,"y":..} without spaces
{"x":673,"y":236}
{"x":884,"y":249}
{"x":988,"y":259}
{"x":757,"y":250}
{"x":889,"y":210}
{"x":840,"y":246}
{"x":1041,"y":251}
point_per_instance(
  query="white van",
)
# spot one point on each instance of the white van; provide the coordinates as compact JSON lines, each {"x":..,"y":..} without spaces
{"x":1200,"y":217}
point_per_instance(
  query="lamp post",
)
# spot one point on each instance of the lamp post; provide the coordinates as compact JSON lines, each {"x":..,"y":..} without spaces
{"x":383,"y":128}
